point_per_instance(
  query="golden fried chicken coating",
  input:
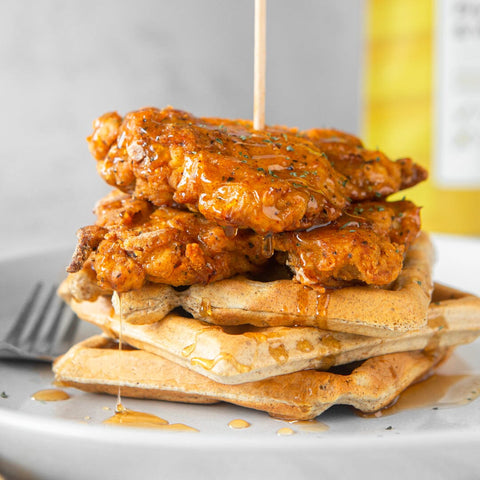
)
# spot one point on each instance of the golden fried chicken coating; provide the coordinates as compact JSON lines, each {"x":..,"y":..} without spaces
{"x":272,"y":180}
{"x":134,"y":242}
{"x":366,"y":244}
{"x":142,"y":243}
{"x":370,"y":174}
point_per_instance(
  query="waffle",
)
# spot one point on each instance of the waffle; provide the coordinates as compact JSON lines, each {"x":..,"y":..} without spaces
{"x":96,"y":365}
{"x":361,"y":310}
{"x":239,"y":354}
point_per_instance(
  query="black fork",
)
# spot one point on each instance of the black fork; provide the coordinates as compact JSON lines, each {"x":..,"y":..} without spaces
{"x":43,"y":329}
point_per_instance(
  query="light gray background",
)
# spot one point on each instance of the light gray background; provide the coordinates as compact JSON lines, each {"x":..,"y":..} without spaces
{"x":63,"y":63}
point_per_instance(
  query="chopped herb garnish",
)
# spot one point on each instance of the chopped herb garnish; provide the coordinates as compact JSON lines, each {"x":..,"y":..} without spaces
{"x":349,"y":224}
{"x":243,"y":137}
{"x":378,"y":194}
{"x":289,"y":148}
{"x":219,"y":140}
{"x":380,"y":209}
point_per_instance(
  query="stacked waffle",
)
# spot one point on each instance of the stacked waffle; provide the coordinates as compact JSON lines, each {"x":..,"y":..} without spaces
{"x":247,"y":266}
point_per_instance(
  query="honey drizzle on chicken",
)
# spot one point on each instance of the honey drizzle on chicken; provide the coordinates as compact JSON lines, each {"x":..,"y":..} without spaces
{"x":272,"y":180}
{"x":367,"y":244}
{"x":135,"y":242}
{"x":140,"y":242}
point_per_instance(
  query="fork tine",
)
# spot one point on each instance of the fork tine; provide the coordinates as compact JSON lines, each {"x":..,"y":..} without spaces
{"x":50,"y":336}
{"x":20,"y":322}
{"x":71,"y":329}
{"x":34,"y":337}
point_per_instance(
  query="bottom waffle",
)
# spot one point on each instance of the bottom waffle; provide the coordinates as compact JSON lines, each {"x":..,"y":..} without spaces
{"x":96,"y":365}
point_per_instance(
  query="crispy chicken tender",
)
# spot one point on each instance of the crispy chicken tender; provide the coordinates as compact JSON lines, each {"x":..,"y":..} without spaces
{"x":366,"y":244}
{"x":370,"y":174}
{"x":105,"y":133}
{"x":163,"y":245}
{"x":272,"y":180}
{"x":136,"y":242}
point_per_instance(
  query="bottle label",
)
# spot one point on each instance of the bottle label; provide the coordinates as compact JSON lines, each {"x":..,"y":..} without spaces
{"x":456,"y":159}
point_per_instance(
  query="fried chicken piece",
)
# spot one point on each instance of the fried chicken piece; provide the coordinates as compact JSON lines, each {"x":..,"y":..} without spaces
{"x":366,"y":244}
{"x":134,"y":242}
{"x":89,"y":239}
{"x":142,"y":243}
{"x":370,"y":174}
{"x":272,"y":180}
{"x":105,"y":132}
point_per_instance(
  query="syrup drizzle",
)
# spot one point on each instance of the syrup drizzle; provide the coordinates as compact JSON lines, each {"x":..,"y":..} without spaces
{"x":205,"y":308}
{"x":119,"y":408}
{"x":303,"y":296}
{"x":50,"y":395}
{"x":437,"y":325}
{"x":304,"y":346}
{"x":230,"y":232}
{"x":321,"y":310}
{"x":437,"y":391}
{"x":284,"y":431}
{"x":267,"y":246}
{"x":279,"y":353}
{"x":209,"y":363}
{"x":239,"y":423}
{"x":131,"y":418}
{"x":311,"y":426}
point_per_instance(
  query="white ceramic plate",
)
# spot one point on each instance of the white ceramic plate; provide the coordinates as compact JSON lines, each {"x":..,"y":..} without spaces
{"x":67,"y":440}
